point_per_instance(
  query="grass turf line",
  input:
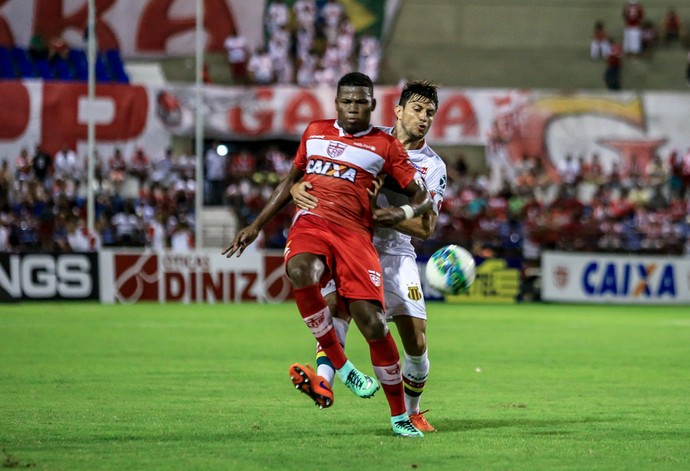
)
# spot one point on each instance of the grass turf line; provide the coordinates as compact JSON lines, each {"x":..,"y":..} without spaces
{"x":85,"y":386}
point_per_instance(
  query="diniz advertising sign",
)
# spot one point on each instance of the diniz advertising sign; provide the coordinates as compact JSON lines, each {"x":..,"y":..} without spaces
{"x":36,"y":277}
{"x":195,"y":277}
{"x":615,"y":278}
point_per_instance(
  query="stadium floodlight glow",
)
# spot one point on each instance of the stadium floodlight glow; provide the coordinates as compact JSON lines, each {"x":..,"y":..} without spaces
{"x":222,"y":150}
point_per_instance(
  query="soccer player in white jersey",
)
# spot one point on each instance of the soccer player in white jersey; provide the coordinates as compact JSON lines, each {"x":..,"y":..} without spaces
{"x":402,"y":287}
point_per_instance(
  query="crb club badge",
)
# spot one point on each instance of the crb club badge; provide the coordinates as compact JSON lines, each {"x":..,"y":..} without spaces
{"x":560,"y":276}
{"x":375,"y":278}
{"x":335,"y":149}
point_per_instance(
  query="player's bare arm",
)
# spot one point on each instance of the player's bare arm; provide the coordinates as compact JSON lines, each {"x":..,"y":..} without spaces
{"x":421,"y":227}
{"x":301,"y":196}
{"x":278,"y":200}
{"x":420,"y":203}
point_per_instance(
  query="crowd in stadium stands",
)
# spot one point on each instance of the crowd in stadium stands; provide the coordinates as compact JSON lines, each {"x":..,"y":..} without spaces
{"x":574,"y":206}
{"x":43,"y":207}
{"x":312,"y":43}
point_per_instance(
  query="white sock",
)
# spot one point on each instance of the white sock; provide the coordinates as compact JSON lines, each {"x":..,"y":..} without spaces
{"x":415,"y":372}
{"x":324,"y":366}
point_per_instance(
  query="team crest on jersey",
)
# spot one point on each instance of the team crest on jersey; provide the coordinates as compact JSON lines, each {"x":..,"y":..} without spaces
{"x":414,"y":293}
{"x":375,"y":277}
{"x":330,"y":169}
{"x":335,"y":149}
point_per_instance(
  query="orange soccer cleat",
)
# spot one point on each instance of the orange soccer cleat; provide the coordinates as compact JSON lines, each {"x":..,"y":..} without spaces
{"x":420,"y":422}
{"x":316,"y":387}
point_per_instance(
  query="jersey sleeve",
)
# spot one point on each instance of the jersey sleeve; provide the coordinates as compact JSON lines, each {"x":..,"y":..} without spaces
{"x":398,"y":164}
{"x":300,"y":160}
{"x":436,"y":182}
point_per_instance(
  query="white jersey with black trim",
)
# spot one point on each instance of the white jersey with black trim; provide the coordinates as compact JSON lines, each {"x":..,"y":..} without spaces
{"x":433,"y":170}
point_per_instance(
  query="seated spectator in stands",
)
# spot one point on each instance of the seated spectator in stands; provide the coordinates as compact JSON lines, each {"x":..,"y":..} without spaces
{"x":332,"y":13}
{"x":279,"y":47}
{"x":127,"y":227}
{"x":140,"y":166}
{"x":569,"y":170}
{"x":79,"y":239}
{"x":155,"y":234}
{"x":66,"y":164}
{"x":277,"y":16}
{"x":369,"y":56}
{"x":593,"y":171}
{"x":22,"y":166}
{"x":656,"y":173}
{"x":163,"y":172}
{"x":182,"y":238}
{"x":117,"y":167}
{"x":216,"y":175}
{"x":671,"y":27}
{"x":238,"y":56}
{"x":306,"y":69}
{"x":346,"y":45}
{"x":38,"y":48}
{"x":260,"y":67}
{"x":305,"y":13}
{"x":600,"y":47}
{"x":304,"y":43}
{"x":58,"y":48}
{"x":42,"y":165}
{"x":326,"y":76}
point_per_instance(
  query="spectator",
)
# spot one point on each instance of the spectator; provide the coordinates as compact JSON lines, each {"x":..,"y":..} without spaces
{"x":140,"y":167}
{"x":260,"y":67}
{"x":57,"y":48}
{"x":600,"y":47}
{"x":277,"y":16}
{"x":42,"y":166}
{"x":117,"y":167}
{"x":38,"y":48}
{"x":279,"y":51}
{"x":182,"y":238}
{"x":22,"y":166}
{"x":671,"y":27}
{"x":614,"y":64}
{"x":162,"y":172}
{"x":238,"y":56}
{"x":332,"y":13}
{"x":66,"y":165}
{"x":633,"y":15}
{"x":306,"y":69}
{"x":216,"y":175}
{"x":127,"y":227}
{"x":369,"y":56}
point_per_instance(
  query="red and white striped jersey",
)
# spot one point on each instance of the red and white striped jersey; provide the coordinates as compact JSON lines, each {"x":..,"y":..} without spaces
{"x":341,"y":167}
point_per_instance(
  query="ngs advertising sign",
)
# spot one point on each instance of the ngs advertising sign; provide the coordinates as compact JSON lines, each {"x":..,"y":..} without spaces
{"x":602,"y":278}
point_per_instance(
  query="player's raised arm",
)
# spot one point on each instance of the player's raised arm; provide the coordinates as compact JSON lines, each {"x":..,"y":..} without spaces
{"x":278,"y":200}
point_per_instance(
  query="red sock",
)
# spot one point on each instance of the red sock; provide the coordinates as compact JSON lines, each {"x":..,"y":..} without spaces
{"x":386,"y":361}
{"x":316,"y":315}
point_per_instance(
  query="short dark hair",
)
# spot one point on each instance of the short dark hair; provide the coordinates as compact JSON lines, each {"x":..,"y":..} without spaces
{"x":420,"y":88}
{"x":356,"y":79}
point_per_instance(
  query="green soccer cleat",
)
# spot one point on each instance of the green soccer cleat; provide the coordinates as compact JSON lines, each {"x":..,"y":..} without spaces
{"x":403,"y":427}
{"x":359,"y":383}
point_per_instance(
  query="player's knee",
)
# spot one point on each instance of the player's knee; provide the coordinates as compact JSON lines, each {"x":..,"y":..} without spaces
{"x":302,"y":275}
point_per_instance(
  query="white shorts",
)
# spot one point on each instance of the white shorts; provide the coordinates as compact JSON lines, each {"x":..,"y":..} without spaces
{"x":401,"y":286}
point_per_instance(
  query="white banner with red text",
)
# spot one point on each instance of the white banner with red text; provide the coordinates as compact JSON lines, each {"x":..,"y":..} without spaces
{"x":602,"y":278}
{"x":627,"y":129}
{"x":194,"y":277}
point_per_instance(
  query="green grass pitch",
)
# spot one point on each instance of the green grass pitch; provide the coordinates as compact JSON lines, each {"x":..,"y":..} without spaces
{"x":525,"y":387}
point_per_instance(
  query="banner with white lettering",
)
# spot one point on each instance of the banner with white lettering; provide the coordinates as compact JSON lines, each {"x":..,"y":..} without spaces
{"x":44,"y":276}
{"x":194,"y":277}
{"x":603,"y":278}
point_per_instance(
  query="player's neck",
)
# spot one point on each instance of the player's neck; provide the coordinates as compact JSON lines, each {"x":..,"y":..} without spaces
{"x":407,"y":141}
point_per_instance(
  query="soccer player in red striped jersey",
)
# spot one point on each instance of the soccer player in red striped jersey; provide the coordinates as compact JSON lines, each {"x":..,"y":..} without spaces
{"x":340,"y":159}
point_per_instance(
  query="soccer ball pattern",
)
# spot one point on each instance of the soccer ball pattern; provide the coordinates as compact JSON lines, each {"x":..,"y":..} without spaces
{"x":451,"y":270}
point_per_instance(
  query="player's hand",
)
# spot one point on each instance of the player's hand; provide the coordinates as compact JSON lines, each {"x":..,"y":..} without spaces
{"x":243,"y":238}
{"x":302,"y":198}
{"x":388,"y":216}
{"x":374,"y":192}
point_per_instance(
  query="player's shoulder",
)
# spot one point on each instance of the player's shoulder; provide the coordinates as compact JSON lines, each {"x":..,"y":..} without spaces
{"x":321,"y":126}
{"x":433,"y":159}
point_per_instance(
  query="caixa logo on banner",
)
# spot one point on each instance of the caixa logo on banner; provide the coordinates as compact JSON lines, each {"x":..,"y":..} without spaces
{"x":649,"y":280}
{"x":48,"y":276}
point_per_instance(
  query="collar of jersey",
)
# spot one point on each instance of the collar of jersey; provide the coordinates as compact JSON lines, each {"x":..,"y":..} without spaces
{"x":342,"y":132}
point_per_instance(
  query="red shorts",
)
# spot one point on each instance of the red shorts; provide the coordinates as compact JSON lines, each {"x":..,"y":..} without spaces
{"x":350,"y":256}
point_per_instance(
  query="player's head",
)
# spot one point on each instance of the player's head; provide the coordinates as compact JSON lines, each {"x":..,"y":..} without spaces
{"x":416,"y":108}
{"x":354,"y":102}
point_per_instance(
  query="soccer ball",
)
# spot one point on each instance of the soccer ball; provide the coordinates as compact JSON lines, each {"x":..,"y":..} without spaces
{"x":451,"y":270}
